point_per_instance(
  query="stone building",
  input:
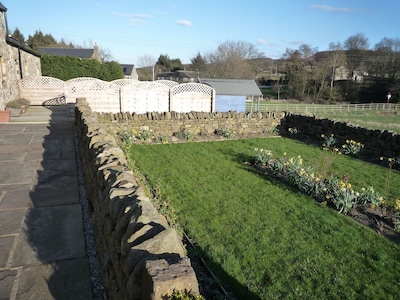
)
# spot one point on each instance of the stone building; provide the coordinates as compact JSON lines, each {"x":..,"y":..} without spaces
{"x":17,"y":61}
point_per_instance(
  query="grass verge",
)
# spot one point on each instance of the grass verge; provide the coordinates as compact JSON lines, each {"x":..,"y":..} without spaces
{"x":263,"y":239}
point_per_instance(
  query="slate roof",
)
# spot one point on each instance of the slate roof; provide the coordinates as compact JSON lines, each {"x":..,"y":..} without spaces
{"x":128,"y":69}
{"x":238,"y":87}
{"x":74,"y":52}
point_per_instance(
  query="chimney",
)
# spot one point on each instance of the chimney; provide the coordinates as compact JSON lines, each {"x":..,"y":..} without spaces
{"x":96,"y":53}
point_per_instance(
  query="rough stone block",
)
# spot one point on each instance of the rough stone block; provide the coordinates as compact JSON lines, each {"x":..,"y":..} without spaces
{"x":161,"y":278}
{"x":165,"y":243}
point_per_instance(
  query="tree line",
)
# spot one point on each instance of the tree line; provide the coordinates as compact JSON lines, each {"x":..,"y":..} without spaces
{"x":348,"y":71}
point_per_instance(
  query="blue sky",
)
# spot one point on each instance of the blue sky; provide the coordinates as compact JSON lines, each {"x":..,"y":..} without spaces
{"x":130,"y":29}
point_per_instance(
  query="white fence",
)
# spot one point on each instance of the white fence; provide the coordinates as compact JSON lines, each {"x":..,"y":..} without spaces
{"x":124,"y":95}
{"x":141,"y":97}
{"x":102,"y":96}
{"x":315,"y":108}
{"x":41,"y":89}
{"x":188,"y":97}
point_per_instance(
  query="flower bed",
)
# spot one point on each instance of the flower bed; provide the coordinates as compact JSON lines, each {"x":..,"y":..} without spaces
{"x":325,"y":189}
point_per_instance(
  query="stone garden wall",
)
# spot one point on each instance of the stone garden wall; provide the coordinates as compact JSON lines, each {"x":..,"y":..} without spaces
{"x":141,"y":256}
{"x":168,"y":123}
{"x":378,"y":143}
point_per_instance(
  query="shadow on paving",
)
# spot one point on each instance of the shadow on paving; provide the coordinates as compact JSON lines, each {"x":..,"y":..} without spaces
{"x":51,"y":247}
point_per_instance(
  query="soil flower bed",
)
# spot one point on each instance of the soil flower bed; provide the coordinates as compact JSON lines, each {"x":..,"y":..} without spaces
{"x":365,"y":206}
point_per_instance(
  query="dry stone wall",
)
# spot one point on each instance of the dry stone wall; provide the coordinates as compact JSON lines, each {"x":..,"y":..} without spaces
{"x":142,"y":257}
{"x":168,"y":123}
{"x":377,"y":143}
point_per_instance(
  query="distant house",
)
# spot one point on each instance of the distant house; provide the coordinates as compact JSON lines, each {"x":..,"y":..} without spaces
{"x":179,"y":76}
{"x":73,"y":52}
{"x":231,"y":94}
{"x":130,"y":71}
{"x":17,"y":61}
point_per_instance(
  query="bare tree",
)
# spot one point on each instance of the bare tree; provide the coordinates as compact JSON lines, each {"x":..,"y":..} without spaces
{"x":105,"y":54}
{"x":336,"y":59}
{"x":300,"y":70}
{"x":356,"y":46}
{"x":232,"y":60}
{"x":146,"y":64}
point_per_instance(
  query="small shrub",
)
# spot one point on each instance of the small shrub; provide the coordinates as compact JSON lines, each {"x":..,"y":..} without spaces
{"x":19,"y":103}
{"x":293,"y":131}
{"x":262,"y":156}
{"x":369,"y":196}
{"x":133,"y":135}
{"x":126,"y":137}
{"x":184,"y":134}
{"x":143,"y":135}
{"x":329,"y":142}
{"x":161,"y":139}
{"x":352,"y":148}
{"x":228,"y":133}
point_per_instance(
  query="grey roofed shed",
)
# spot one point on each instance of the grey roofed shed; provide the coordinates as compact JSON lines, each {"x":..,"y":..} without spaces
{"x":240,"y":87}
{"x":231,"y":94}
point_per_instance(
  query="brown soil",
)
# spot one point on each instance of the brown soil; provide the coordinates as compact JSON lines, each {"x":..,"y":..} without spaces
{"x":379,"y":219}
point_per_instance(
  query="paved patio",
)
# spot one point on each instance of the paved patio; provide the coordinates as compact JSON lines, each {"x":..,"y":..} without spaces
{"x":42,"y":242}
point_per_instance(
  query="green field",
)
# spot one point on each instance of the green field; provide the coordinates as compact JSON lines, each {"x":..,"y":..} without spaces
{"x":263,"y":239}
{"x":358,"y":115}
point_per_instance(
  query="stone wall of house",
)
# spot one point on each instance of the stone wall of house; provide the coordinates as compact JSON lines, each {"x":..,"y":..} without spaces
{"x":377,"y":143}
{"x":10,"y":72}
{"x":142,"y":257}
{"x":203,"y":123}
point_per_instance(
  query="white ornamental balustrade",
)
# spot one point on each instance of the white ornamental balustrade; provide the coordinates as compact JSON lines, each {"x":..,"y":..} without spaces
{"x":187,"y":97}
{"x":41,"y":89}
{"x":145,"y":96}
{"x":123,"y":82}
{"x":168,"y":83}
{"x":101,"y":96}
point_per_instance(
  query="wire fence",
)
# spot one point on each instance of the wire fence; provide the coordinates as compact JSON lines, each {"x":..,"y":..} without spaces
{"x":316,"y":108}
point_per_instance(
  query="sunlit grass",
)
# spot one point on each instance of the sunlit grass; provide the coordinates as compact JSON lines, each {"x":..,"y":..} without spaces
{"x":371,"y":119}
{"x":367,"y":119}
{"x":263,"y":239}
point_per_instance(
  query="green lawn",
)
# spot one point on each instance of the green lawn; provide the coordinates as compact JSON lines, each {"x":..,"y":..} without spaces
{"x":371,"y":119}
{"x":263,"y":239}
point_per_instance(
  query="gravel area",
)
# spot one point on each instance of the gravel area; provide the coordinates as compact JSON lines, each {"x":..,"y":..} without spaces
{"x":91,"y":247}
